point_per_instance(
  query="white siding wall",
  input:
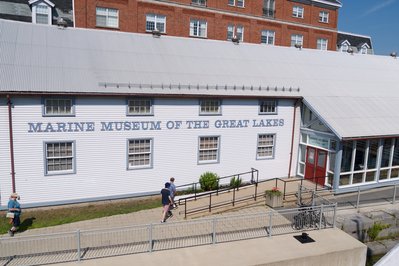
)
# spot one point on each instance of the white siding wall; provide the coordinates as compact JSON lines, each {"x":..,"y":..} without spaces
{"x":5,"y":169}
{"x":101,"y":155}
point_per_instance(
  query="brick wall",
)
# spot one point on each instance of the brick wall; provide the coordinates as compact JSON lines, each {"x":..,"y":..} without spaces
{"x":218,"y":14}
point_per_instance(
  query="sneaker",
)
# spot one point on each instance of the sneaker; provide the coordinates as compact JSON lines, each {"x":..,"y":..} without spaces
{"x":162,"y":221}
{"x":11,"y":233}
{"x":170,"y":215}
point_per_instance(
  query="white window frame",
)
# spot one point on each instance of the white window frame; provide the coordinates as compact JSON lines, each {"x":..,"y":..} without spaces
{"x":37,"y":6}
{"x":235,"y":30}
{"x":298,"y":11}
{"x":322,"y":44}
{"x":199,"y":2}
{"x":260,"y":146}
{"x":268,"y":107}
{"x":210,"y":107}
{"x":296,"y":39}
{"x":198,"y":28}
{"x":269,"y":36}
{"x":142,"y":152}
{"x":140,"y":107}
{"x":237,"y":3}
{"x":157,"y":19}
{"x":364,"y":49}
{"x":345,"y":46}
{"x":324,"y":16}
{"x":58,"y":106}
{"x":62,"y":157}
{"x":204,"y":148}
{"x":111,"y":16}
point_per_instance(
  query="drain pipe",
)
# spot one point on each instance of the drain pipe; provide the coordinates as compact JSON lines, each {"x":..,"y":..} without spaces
{"x":9,"y":103}
{"x":292,"y":138}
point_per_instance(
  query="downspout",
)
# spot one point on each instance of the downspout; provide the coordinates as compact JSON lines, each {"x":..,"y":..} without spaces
{"x":11,"y":143}
{"x":292,"y":138}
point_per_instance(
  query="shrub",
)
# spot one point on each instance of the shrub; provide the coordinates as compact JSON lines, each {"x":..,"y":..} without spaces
{"x":375,"y":229}
{"x":209,"y":181}
{"x":235,"y":182}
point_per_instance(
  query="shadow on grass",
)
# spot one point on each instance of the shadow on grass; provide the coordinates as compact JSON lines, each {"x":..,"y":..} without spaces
{"x":28,"y":222}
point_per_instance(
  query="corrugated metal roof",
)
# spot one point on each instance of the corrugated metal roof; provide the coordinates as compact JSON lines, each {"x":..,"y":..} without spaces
{"x":355,"y":94}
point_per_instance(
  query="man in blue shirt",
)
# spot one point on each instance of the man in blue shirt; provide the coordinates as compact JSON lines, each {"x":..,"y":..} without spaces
{"x":166,"y":201}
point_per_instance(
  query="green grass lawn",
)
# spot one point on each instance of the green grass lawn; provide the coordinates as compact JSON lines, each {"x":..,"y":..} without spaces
{"x":44,"y":217}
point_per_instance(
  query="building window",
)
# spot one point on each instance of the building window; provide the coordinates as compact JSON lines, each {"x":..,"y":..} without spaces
{"x":267,"y":107}
{"x":107,"y":17}
{"x":364,"y":49}
{"x":43,"y":14}
{"x":58,"y":107}
{"x":265,"y":147}
{"x":154,"y":21}
{"x":208,"y":151}
{"x":344,"y":46}
{"x":140,"y":106}
{"x":297,"y":12}
{"x":323,"y":16}
{"x":238,"y":3}
{"x":140,"y":153}
{"x":322,"y":44}
{"x":199,"y":2}
{"x":237,"y":31}
{"x":268,"y":8}
{"x":198,"y":28}
{"x":268,"y":37}
{"x":210,"y":107}
{"x":60,"y":157}
{"x":296,"y":39}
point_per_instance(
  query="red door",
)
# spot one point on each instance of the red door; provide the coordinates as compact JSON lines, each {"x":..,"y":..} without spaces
{"x":316,"y":161}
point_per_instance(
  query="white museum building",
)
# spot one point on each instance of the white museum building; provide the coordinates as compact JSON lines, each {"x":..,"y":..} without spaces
{"x":88,"y":114}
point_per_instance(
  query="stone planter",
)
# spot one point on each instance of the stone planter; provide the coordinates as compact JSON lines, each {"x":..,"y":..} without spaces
{"x":274,"y":201}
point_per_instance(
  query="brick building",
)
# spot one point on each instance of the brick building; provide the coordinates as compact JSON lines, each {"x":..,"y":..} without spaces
{"x":309,"y":23}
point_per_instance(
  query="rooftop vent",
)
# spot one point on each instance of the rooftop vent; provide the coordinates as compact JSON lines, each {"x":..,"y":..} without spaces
{"x":61,"y":23}
{"x":235,"y":40}
{"x":393,"y":54}
{"x":298,"y":46}
{"x":350,"y":50}
{"x":156,"y":33}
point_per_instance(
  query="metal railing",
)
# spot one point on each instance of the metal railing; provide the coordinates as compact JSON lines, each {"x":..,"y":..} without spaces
{"x":89,"y":244}
{"x":250,"y":178}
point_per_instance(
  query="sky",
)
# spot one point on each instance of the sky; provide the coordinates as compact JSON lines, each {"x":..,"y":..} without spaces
{"x":376,"y":18}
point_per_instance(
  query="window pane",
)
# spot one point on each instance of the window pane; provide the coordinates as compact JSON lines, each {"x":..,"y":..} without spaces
{"x":208,"y":149}
{"x":373,"y":151}
{"x":267,"y":107}
{"x":332,"y":162}
{"x":386,"y":152}
{"x":59,"y":156}
{"x":370,"y":176}
{"x":140,"y":152}
{"x":360,"y":154}
{"x":357,"y":178}
{"x":344,"y":180}
{"x":347,"y":150}
{"x":384,"y":174}
{"x":395,"y":173}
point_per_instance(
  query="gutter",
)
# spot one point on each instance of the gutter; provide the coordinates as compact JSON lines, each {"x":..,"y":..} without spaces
{"x":292,"y":137}
{"x":9,"y":103}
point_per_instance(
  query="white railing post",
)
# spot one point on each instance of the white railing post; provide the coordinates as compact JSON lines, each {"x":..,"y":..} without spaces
{"x":270,"y":224}
{"x":150,"y":238}
{"x":321,"y":216}
{"x":214,"y":231}
{"x":358,"y":199}
{"x":78,"y":243}
{"x":335,"y":215}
